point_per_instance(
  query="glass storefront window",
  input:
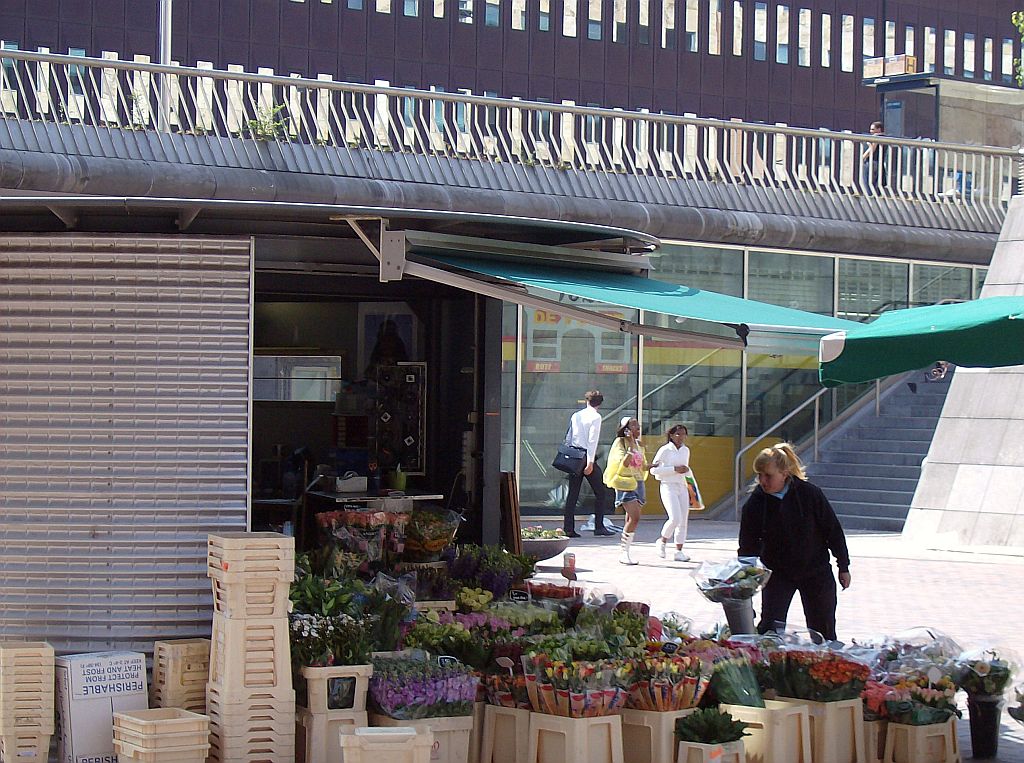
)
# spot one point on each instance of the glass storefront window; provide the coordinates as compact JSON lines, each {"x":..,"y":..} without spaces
{"x":562,"y":359}
{"x":934,"y":283}
{"x":791,"y":280}
{"x":867,"y":288}
{"x":509,"y":320}
{"x":980,"y":274}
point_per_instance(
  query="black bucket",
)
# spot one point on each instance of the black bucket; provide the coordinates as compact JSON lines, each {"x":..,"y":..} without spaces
{"x":984,"y":713}
{"x":739,"y":613}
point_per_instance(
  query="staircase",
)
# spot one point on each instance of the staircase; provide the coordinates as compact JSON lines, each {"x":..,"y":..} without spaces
{"x":870,"y":467}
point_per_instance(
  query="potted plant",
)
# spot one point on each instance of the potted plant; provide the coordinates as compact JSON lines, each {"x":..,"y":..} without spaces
{"x":710,"y":735}
{"x":539,"y":543}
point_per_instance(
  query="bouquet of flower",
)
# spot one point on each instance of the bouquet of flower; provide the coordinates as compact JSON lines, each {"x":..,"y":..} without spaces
{"x":983,"y":672}
{"x":920,"y":704}
{"x":577,"y":689}
{"x":469,"y":637}
{"x":875,"y":695}
{"x":738,"y":578}
{"x":373,"y":535}
{"x":821,"y":675}
{"x":409,"y":689}
{"x":428,"y":532}
{"x":505,"y":690}
{"x":488,"y":567}
{"x":668,"y":683}
{"x":733,"y":681}
{"x":534,"y":619}
{"x":323,"y":640}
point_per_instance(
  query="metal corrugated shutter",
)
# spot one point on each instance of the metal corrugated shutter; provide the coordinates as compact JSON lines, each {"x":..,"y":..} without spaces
{"x":124,"y":432}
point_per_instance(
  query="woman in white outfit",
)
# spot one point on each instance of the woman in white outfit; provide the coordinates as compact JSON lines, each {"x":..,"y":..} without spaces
{"x":671,"y":464}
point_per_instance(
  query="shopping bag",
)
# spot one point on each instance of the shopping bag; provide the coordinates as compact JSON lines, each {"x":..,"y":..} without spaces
{"x":696,"y":501}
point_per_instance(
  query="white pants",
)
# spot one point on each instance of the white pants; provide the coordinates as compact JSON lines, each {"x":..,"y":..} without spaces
{"x":676,"y":500}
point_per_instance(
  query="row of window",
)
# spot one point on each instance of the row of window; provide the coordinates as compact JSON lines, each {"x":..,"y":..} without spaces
{"x":708,"y":17}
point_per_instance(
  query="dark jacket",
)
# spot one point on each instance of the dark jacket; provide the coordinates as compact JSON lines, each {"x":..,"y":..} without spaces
{"x":794,"y":535}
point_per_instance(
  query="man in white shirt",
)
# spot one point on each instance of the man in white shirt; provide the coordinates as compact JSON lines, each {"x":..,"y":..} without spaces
{"x":585,"y":432}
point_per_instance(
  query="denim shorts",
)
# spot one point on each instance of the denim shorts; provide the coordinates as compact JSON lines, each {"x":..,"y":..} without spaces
{"x":638,"y":494}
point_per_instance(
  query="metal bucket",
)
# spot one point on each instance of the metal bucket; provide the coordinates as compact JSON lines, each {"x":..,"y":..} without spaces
{"x":739,"y":613}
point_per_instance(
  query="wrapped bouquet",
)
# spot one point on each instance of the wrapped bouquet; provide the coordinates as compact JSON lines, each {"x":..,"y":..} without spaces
{"x":818,"y":675}
{"x":576,"y":689}
{"x":408,"y":689}
{"x":738,"y":578}
{"x":668,"y":683}
{"x":983,"y":672}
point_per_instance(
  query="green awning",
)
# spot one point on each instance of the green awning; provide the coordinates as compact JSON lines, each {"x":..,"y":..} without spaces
{"x":984,"y":333}
{"x":771,"y":327}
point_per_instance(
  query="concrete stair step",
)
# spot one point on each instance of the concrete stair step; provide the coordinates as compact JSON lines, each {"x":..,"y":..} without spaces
{"x":896,"y":421}
{"x":869,"y":509}
{"x":877,"y":497}
{"x":849,"y":469}
{"x":879,"y":524}
{"x":829,"y":482}
{"x":896,"y":458}
{"x":880,"y":433}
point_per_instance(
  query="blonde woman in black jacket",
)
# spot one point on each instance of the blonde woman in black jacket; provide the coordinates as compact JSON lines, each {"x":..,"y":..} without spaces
{"x":790,"y":524}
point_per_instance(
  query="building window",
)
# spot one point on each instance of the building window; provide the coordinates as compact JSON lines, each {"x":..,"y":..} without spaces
{"x":355,"y":5}
{"x":644,"y":15}
{"x":620,"y":32}
{"x":594,"y":20}
{"x":803,"y":37}
{"x":544,"y":16}
{"x":969,"y":55}
{"x":519,"y":15}
{"x":846,"y":45}
{"x":782,"y":34}
{"x":826,"y":40}
{"x":929,"y":49}
{"x":492,"y":13}
{"x":411,"y":7}
{"x":949,"y":52}
{"x":1007,"y":67}
{"x":987,"y":59}
{"x":692,"y":26}
{"x":76,"y":73}
{"x":569,"y":18}
{"x":737,"y":28}
{"x":890,"y":38}
{"x":383,"y":6}
{"x":9,"y":74}
{"x":868,"y":288}
{"x":668,"y":24}
{"x":715,"y":27}
{"x":438,"y":9}
{"x":869,"y":38}
{"x":465,"y":11}
{"x":760,"y":31}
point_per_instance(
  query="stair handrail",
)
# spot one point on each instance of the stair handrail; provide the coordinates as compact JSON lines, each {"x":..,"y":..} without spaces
{"x":816,"y":399}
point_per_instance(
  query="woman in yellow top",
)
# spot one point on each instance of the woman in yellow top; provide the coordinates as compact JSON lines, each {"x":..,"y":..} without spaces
{"x":625,"y":473}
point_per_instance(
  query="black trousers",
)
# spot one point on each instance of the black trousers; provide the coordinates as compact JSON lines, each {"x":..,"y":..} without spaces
{"x":601,"y":498}
{"x":817,"y":594}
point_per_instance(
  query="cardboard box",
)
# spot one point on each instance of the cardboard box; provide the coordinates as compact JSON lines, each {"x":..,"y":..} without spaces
{"x":90,"y":689}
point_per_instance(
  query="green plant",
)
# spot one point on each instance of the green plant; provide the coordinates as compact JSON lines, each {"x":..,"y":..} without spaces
{"x":268,"y":123}
{"x":1017,"y":19}
{"x":709,"y":726}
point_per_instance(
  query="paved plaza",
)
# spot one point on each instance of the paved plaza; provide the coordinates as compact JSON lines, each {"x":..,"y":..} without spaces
{"x":971,"y":597}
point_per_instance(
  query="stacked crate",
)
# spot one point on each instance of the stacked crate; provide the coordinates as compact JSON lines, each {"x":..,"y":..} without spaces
{"x":249,"y":697}
{"x":161,"y":735}
{"x":26,"y":700}
{"x":181,"y":669}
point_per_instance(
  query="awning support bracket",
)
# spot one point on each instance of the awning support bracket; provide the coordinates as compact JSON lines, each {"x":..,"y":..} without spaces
{"x":390,"y":251}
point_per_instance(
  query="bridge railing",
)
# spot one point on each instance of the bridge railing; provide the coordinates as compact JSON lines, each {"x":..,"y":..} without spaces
{"x":109,"y":94}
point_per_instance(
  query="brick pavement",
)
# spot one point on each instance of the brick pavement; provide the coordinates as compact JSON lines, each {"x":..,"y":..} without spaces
{"x":971,"y":597}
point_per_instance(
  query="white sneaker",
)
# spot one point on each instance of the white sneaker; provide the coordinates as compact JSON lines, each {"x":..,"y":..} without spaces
{"x":625,"y":558}
{"x":681,"y":557}
{"x":661,"y":548}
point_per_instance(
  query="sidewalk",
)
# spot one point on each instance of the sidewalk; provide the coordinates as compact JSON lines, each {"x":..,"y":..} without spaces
{"x":972,"y":598}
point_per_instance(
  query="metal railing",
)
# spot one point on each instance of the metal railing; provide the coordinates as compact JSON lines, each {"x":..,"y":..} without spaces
{"x":259,"y":110}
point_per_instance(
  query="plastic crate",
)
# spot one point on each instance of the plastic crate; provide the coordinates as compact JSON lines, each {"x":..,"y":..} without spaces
{"x":327,"y":687}
{"x":837,"y":730}
{"x":476,"y":735}
{"x":555,"y":739}
{"x":399,"y":744}
{"x":251,"y":598}
{"x":181,"y":664}
{"x":322,"y":732}
{"x":22,"y":746}
{"x":779,"y":732}
{"x":250,"y":655}
{"x":874,"y":740}
{"x":231,"y":555}
{"x":197,"y":753}
{"x":649,"y":736}
{"x":246,"y":541}
{"x":160,"y":721}
{"x":692,"y":752}
{"x":451,"y":735}
{"x":506,"y":735}
{"x":936,"y":743}
{"x":280,"y":749}
{"x":15,"y":654}
{"x":186,"y":699}
{"x":256,"y":704}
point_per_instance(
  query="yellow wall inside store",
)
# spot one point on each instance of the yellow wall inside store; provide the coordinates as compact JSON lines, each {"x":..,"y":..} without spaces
{"x":711,"y":459}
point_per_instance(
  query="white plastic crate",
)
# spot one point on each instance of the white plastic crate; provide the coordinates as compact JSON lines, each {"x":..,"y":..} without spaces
{"x":230,"y":555}
{"x":249,"y":655}
{"x":250,"y":598}
{"x":159,"y":721}
{"x":24,"y":747}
